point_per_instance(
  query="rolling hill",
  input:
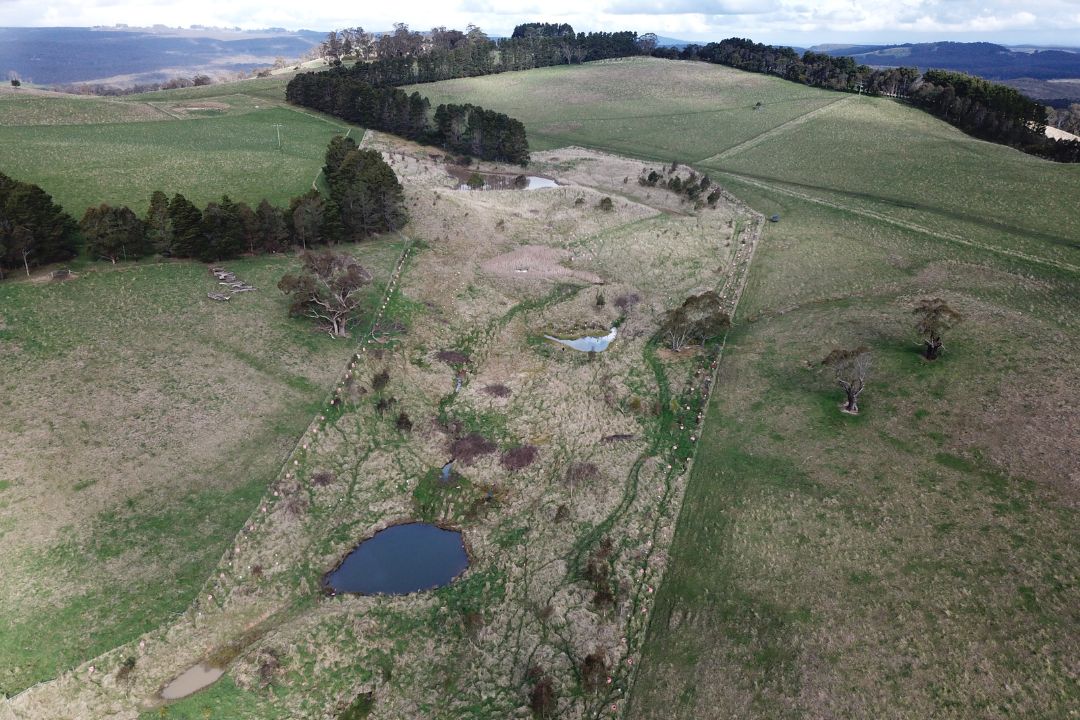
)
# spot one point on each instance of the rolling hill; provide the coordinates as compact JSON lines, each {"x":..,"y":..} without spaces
{"x":987,"y":60}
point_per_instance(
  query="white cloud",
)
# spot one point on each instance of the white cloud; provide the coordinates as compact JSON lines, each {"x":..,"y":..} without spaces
{"x":764,"y":20}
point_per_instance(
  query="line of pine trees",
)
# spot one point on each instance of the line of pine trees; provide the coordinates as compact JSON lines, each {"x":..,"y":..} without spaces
{"x":34,"y":230}
{"x":464,"y":129}
{"x":364,"y":198}
{"x":984,"y":109}
{"x":367,"y":94}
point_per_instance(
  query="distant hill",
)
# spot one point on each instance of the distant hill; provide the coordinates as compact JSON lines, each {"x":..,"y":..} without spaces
{"x":123,"y":57}
{"x":987,"y":60}
{"x":662,"y":41}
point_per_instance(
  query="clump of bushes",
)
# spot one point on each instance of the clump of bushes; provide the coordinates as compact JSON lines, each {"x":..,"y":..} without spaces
{"x":606,"y":204}
{"x":126,"y":668}
{"x":542,"y":698}
{"x":497,"y":390}
{"x":468,"y":448}
{"x":519,"y":457}
{"x":452,"y":357}
{"x":594,"y":671}
{"x":384,"y":404}
{"x":269,"y":664}
{"x":627,"y":302}
{"x":598,"y":574}
{"x":322,"y":478}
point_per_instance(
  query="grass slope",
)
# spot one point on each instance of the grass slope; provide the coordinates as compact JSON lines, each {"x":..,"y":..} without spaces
{"x":219,"y":140}
{"x":917,"y":560}
{"x":142,"y":423}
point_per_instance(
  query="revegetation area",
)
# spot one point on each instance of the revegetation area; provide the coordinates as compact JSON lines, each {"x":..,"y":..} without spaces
{"x":685,"y":524}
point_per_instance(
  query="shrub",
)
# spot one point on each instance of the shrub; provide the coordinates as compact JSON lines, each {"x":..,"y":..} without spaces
{"x":594,"y":671}
{"x":542,"y":698}
{"x":470,"y":447}
{"x":322,"y":478}
{"x":403,"y":423}
{"x":380,"y":379}
{"x":452,"y":357}
{"x":519,"y":457}
{"x":628,"y":301}
{"x":124,"y":671}
{"x":497,"y":390}
{"x":606,"y":204}
{"x":385,"y":404}
{"x":268,"y":667}
{"x":475,"y":181}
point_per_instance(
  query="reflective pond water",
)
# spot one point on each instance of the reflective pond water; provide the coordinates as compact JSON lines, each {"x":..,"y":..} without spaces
{"x":498,"y":181}
{"x":588,"y":343}
{"x":401,"y":559}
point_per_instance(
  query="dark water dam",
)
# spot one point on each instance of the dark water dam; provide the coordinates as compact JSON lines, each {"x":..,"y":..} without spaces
{"x":401,"y":559}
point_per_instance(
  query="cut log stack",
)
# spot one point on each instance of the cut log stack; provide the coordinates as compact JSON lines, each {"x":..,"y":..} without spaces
{"x":233,"y":284}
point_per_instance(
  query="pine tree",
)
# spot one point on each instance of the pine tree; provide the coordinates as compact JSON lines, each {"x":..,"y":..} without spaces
{"x":187,"y":227}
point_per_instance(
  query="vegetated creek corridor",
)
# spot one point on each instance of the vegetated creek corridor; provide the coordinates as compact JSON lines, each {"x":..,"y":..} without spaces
{"x":228,"y":618}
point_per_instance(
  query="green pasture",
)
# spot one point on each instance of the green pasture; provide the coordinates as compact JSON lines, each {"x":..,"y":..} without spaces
{"x":915,"y":561}
{"x":232,"y":152}
{"x":144,"y":423}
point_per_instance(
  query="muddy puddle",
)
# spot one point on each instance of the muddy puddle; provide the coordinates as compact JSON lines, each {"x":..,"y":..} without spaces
{"x":192,"y":681}
{"x":401,"y":559}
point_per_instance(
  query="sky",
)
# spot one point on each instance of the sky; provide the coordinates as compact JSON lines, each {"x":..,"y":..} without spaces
{"x":795,"y":22}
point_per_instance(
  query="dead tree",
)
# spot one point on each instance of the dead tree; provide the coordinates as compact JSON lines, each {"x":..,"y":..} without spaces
{"x":934,"y":317}
{"x":851,"y":368}
{"x":330,"y":288}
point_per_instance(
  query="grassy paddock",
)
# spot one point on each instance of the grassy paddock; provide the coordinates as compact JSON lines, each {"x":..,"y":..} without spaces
{"x":201,"y":148}
{"x":914,"y":561}
{"x":143,"y":422}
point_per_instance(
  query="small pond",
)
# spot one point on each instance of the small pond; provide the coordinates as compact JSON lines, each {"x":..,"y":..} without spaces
{"x":401,"y":559}
{"x":191,"y":681}
{"x":588,"y":343}
{"x":498,"y":181}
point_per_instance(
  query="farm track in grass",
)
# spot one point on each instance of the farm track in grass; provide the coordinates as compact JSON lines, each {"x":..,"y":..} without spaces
{"x":773,"y":133}
{"x":885,"y":218}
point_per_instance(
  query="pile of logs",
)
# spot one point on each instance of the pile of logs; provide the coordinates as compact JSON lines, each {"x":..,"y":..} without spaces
{"x":231,"y":282}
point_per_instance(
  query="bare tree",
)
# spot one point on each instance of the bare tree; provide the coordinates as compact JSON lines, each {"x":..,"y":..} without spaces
{"x":699,"y":319}
{"x":934,"y":317}
{"x":330,"y":288}
{"x":851,"y":368}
